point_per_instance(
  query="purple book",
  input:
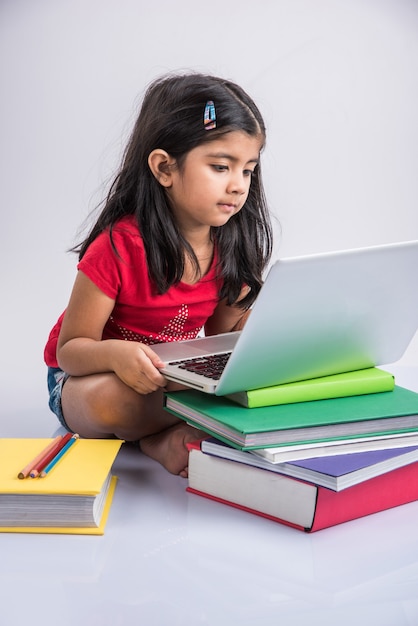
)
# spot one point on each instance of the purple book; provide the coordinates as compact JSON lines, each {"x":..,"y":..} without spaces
{"x":334,"y":472}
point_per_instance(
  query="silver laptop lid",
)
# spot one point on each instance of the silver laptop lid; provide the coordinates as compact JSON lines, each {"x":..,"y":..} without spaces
{"x":328,"y":313}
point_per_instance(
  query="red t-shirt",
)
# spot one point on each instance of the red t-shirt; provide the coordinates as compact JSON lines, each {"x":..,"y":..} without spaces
{"x":140,"y":314}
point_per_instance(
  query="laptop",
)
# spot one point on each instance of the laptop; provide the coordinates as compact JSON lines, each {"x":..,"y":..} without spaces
{"x":314,"y":316}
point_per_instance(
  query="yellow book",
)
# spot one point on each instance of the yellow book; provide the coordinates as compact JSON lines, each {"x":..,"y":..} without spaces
{"x":73,"y":498}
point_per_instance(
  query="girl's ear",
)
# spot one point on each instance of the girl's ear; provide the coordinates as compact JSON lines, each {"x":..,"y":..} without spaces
{"x":161,"y":165}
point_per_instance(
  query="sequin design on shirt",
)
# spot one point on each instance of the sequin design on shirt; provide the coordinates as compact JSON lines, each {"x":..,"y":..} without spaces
{"x":173,"y":331}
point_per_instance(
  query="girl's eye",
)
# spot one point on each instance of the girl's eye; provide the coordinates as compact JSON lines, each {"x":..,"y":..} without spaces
{"x":248,"y":172}
{"x":220,"y":168}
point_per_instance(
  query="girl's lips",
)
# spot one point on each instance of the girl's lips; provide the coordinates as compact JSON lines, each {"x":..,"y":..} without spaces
{"x":227,"y":207}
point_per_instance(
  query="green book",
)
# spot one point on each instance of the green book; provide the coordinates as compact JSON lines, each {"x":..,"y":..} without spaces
{"x":386,"y":413}
{"x":360,"y":382}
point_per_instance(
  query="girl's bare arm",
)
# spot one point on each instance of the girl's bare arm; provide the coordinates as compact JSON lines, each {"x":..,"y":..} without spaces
{"x":81,"y":350}
{"x":227,"y":318}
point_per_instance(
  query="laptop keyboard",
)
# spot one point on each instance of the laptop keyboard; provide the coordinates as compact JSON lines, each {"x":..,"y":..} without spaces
{"x":210,"y":366}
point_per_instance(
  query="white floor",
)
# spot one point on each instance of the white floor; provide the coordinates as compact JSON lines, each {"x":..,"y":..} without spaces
{"x":169,"y":557}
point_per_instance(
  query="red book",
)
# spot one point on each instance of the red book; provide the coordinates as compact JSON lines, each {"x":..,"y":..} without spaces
{"x":293,"y":502}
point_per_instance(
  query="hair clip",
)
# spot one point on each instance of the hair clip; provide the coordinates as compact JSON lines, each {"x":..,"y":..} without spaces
{"x":209,"y":118}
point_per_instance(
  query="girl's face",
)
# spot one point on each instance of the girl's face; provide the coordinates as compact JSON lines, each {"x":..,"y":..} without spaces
{"x":213,"y":183}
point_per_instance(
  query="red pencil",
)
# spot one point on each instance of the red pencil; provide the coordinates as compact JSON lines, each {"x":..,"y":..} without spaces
{"x":49,"y":456}
{"x":29,"y":467}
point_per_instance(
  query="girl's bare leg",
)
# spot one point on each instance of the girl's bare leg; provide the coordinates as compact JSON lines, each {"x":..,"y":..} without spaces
{"x":102,"y":406}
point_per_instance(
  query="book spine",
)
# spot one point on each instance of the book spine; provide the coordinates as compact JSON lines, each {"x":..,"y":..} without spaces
{"x":320,"y":389}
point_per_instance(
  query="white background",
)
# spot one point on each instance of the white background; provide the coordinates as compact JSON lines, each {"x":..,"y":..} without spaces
{"x":337,"y":82}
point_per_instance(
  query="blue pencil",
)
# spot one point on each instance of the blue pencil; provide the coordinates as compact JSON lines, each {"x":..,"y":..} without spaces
{"x":60,"y":454}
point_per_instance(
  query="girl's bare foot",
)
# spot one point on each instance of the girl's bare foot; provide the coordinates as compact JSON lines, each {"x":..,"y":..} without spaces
{"x":169,"y":448}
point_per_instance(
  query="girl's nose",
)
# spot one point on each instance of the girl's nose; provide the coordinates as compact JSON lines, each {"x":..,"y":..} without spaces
{"x":237,"y":184}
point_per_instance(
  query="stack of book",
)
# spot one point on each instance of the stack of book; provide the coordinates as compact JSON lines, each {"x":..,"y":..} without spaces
{"x":311,"y":454}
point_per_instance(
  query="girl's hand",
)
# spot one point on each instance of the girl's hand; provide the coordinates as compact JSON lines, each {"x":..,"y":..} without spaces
{"x":137,"y":366}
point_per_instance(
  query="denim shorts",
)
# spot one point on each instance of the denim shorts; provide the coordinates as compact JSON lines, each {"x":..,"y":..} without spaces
{"x":56,"y":380}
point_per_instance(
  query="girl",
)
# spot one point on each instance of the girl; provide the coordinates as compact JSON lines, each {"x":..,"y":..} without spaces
{"x":181,"y":244}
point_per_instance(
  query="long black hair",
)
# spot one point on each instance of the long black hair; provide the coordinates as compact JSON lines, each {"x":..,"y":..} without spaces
{"x":171,"y":118}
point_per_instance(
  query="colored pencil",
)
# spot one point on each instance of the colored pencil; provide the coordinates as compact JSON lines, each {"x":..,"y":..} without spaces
{"x":48,"y":457}
{"x":24,"y":473}
{"x":60,"y":454}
